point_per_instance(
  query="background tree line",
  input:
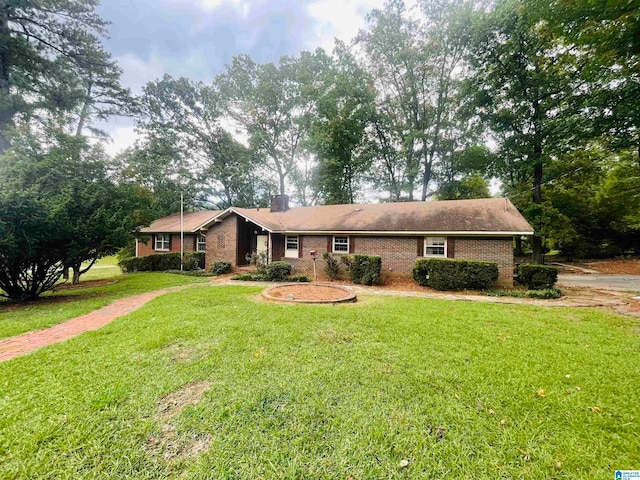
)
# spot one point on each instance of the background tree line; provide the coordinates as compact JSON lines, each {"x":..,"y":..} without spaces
{"x":431,"y":102}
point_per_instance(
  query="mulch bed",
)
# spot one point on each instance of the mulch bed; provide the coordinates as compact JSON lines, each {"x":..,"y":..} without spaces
{"x":308,"y":292}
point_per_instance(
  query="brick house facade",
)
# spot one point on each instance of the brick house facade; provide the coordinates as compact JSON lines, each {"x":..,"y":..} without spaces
{"x":147,"y":244}
{"x":399,"y":233}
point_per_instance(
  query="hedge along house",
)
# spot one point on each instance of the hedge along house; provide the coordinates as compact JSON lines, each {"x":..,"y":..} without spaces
{"x":400,"y":233}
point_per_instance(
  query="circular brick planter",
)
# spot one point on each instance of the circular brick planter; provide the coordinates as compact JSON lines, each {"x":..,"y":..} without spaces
{"x":309,"y":293}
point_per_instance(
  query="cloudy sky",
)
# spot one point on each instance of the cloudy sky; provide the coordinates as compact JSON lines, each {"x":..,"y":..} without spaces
{"x":196,"y":38}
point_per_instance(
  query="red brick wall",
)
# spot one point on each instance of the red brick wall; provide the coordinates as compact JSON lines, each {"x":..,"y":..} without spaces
{"x":145,"y":249}
{"x":499,"y":250}
{"x":399,"y":254}
{"x":222,"y":243}
{"x":304,"y":265}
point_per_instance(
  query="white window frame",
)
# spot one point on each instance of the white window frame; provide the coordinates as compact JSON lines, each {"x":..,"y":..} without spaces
{"x":333,"y":245}
{"x":201,"y":243}
{"x":161,"y":239}
{"x":430,"y":242}
{"x":290,"y":252}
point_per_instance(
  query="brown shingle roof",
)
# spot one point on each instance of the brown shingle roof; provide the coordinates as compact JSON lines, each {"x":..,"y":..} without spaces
{"x":171,"y":224}
{"x":481,"y":215}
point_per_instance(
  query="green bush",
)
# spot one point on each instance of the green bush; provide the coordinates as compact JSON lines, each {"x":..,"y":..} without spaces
{"x":259,"y":260}
{"x":332,"y":266}
{"x":162,"y":262}
{"x":445,"y":274}
{"x":190,"y":273}
{"x":220,"y":268}
{"x":537,"y":277}
{"x":298,"y":279}
{"x":250,"y":277}
{"x":547,"y":293}
{"x":278,"y":271}
{"x":363,"y":269}
{"x":258,"y":277}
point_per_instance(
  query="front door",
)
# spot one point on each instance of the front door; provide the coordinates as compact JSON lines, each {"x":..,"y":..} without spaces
{"x":262,"y":243}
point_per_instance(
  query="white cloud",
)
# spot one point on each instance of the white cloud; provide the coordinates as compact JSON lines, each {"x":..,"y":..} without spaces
{"x":136,"y":72}
{"x":121,"y":138}
{"x":340,"y":19}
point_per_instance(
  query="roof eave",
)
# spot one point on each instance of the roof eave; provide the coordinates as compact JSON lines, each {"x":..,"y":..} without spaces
{"x":408,"y":232}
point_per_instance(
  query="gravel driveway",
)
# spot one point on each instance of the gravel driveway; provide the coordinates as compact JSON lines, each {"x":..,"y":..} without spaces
{"x":629,"y":283}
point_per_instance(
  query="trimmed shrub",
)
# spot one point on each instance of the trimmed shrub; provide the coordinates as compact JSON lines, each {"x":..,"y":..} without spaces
{"x":298,"y":279}
{"x":547,"y":293}
{"x":332,"y":266}
{"x":445,"y":274}
{"x":537,"y":277}
{"x":220,"y":268}
{"x":250,"y":277}
{"x":190,"y":273}
{"x":198,"y":257}
{"x":363,"y":269}
{"x":162,"y":262}
{"x":278,"y":271}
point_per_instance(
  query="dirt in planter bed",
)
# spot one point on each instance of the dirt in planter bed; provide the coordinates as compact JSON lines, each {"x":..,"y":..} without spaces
{"x":309,"y":292}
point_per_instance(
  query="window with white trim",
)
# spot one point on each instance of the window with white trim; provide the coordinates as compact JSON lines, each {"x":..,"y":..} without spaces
{"x":291,"y":246}
{"x":340,"y":244}
{"x":435,"y":246}
{"x":201,"y":245}
{"x":162,"y":242}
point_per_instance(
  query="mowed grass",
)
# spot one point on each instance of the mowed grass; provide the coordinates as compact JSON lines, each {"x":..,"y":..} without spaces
{"x":457,"y":389}
{"x":61,"y":305}
{"x":106,"y":267}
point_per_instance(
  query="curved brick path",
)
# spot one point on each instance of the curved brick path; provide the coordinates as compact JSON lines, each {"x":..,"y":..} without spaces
{"x":27,"y":342}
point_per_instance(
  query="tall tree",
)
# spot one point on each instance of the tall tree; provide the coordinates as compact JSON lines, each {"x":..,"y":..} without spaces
{"x":44,"y":45}
{"x":417,"y":65}
{"x":527,"y":89}
{"x":609,"y":34}
{"x":186,"y":117}
{"x":265,"y":100}
{"x":58,"y":209}
{"x":343,"y":107}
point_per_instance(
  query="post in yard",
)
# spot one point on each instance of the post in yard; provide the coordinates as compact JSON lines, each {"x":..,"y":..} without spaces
{"x":181,"y":231}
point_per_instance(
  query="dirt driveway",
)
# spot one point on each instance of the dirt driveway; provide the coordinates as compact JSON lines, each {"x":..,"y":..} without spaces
{"x":627,"y":283}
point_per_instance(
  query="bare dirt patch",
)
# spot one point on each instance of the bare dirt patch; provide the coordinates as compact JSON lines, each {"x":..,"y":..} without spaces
{"x":309,"y":293}
{"x":616,"y":266}
{"x":180,"y":353}
{"x":168,"y":443}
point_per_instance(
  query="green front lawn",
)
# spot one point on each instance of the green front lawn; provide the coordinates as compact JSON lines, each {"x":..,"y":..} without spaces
{"x":457,"y":389}
{"x":53,"y":308}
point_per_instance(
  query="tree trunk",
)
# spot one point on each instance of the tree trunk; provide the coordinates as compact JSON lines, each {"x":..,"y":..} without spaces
{"x":518,"y":251}
{"x":537,"y":177}
{"x":537,"y":199}
{"x":426,"y":178}
{"x":76,"y":275}
{"x":6,"y":105}
{"x":85,"y":110}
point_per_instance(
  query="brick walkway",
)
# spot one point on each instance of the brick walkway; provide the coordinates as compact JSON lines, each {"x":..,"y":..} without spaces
{"x":27,"y":342}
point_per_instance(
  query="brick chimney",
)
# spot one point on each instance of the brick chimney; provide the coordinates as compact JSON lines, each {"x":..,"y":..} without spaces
{"x":280,"y":203}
